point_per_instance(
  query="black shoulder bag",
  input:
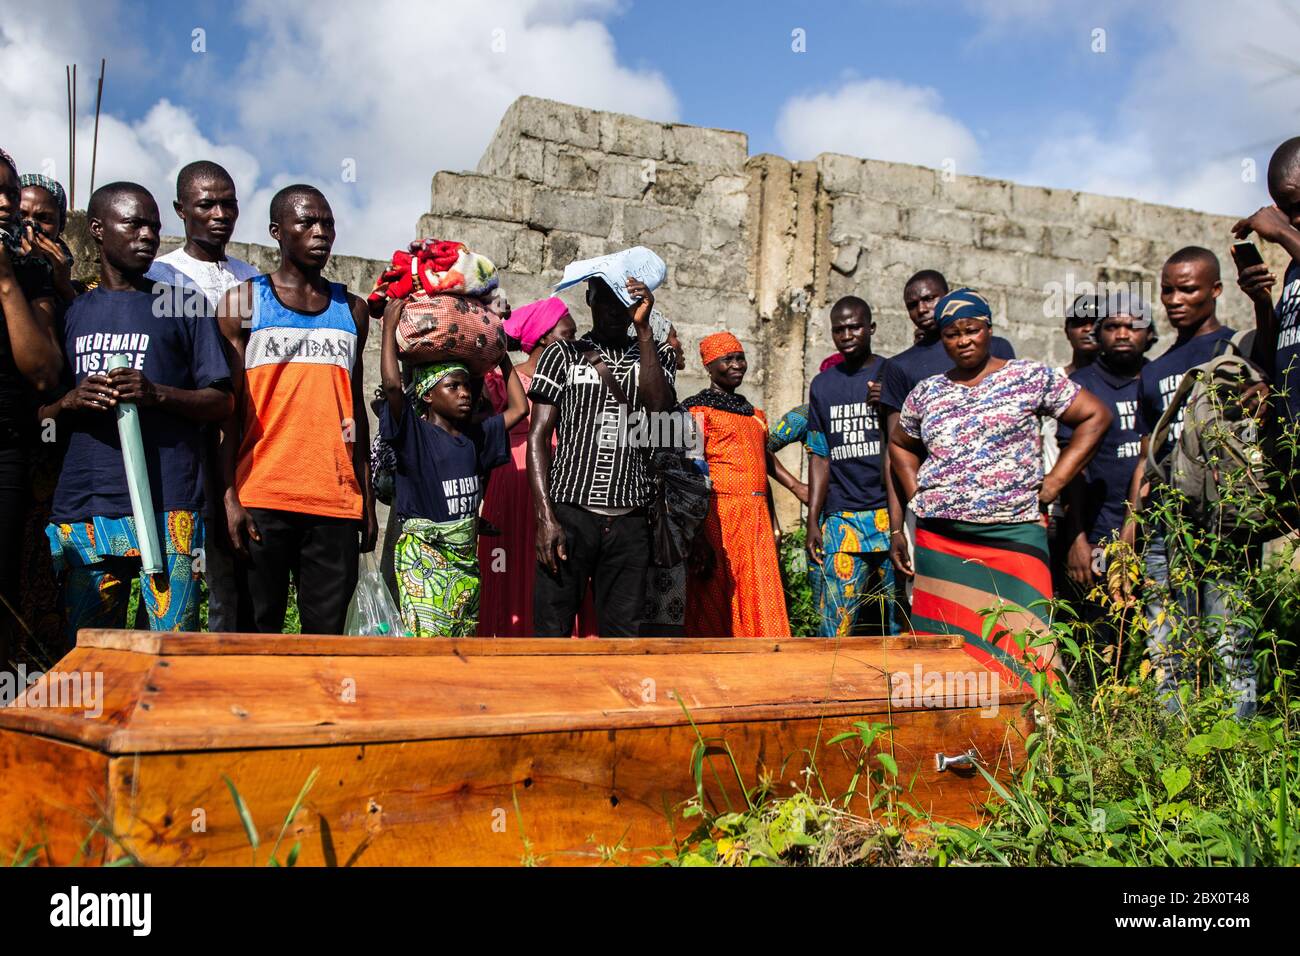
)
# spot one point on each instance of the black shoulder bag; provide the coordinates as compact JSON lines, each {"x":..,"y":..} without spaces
{"x":680,"y":500}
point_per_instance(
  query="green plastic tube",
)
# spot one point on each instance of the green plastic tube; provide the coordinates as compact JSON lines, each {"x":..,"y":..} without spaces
{"x":137,"y":478}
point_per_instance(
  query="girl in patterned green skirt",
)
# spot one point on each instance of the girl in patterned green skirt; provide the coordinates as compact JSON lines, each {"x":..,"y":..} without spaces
{"x":443,"y":459}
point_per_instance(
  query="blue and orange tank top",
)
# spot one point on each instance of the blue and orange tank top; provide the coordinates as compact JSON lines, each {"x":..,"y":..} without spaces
{"x":296,"y":454}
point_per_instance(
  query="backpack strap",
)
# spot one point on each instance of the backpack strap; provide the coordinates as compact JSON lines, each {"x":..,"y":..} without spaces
{"x":1242,"y":342}
{"x":597,"y":361}
{"x":1160,"y":434}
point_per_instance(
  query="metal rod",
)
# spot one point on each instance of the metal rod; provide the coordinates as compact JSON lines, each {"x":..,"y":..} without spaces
{"x":73,"y":174}
{"x":72,"y":195}
{"x":94,"y":149}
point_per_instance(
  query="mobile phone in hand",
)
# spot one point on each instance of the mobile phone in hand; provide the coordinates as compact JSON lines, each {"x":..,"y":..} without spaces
{"x":1246,"y":254}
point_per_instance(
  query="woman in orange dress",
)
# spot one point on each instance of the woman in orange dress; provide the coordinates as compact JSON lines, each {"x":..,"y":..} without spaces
{"x":741,"y":594}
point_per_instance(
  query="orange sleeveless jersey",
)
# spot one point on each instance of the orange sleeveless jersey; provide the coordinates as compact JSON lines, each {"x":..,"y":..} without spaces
{"x":296,"y":453}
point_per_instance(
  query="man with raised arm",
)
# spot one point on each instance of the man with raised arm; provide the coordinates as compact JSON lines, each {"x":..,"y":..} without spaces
{"x":591,"y":495}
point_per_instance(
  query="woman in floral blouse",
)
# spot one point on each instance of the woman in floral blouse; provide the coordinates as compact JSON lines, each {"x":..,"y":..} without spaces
{"x":967,"y":452}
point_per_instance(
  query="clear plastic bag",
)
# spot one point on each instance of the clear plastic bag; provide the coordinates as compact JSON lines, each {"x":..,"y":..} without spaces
{"x":373,"y":612}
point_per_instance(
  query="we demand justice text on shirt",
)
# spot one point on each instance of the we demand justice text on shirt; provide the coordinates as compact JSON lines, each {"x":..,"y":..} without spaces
{"x":179,"y":351}
{"x":1161,"y":376}
{"x":441,"y":476}
{"x":1286,"y":365}
{"x":844,"y":426}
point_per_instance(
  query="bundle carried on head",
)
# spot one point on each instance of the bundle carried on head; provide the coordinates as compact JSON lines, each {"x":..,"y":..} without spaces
{"x":436,"y":267}
{"x":452,"y":304}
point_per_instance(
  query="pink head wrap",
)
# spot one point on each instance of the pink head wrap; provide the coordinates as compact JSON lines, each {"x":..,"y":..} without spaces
{"x":531,"y":322}
{"x":831,"y":361}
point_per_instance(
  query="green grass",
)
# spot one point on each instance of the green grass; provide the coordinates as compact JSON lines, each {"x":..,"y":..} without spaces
{"x":1111,"y":777}
{"x":800,"y":607}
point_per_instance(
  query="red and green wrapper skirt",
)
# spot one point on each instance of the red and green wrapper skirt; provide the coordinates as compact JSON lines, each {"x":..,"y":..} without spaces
{"x":965,"y":570}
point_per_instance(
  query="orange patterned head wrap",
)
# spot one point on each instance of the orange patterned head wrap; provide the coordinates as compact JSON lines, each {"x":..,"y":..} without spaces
{"x":717,"y":345}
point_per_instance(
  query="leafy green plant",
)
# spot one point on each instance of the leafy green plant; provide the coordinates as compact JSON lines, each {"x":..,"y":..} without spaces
{"x":250,"y":828}
{"x":800,"y":602}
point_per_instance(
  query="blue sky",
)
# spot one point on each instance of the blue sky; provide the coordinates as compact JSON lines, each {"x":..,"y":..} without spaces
{"x":736,"y":71}
{"x":287,"y":89}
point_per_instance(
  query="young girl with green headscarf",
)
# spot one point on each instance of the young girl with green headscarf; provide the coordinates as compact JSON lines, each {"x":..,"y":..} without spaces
{"x":443,"y":459}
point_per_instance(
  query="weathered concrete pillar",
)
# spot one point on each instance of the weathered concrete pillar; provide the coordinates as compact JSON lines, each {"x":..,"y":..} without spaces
{"x":783,"y":199}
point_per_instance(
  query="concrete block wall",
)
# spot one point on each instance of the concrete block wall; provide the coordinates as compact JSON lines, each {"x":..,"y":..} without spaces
{"x":559,"y":183}
{"x":1021,"y":246}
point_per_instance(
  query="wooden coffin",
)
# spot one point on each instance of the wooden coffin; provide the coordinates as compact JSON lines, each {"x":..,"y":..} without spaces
{"x":449,"y":752}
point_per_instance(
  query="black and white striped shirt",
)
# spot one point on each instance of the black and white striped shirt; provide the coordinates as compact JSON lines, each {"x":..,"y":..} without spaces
{"x":593,"y":466}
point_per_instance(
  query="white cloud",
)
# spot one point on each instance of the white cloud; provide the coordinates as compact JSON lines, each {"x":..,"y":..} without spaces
{"x":424,"y":91}
{"x":1087,"y":160}
{"x":1199,"y":103}
{"x":425,"y":98}
{"x":877,"y":119}
{"x":33,"y":112}
{"x":1196,"y":110}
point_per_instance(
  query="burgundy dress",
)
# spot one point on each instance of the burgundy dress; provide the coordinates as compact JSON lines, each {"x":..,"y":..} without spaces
{"x":508,"y":563}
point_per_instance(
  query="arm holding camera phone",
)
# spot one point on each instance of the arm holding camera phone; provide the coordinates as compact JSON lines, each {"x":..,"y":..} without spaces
{"x":1254,"y":277}
{"x":30,"y":325}
{"x":37,"y":243}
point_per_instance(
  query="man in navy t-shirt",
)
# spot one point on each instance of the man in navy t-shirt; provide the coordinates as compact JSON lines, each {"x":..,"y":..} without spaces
{"x":847,"y":516}
{"x":1097,"y":500}
{"x":1277,"y":344}
{"x":177,"y":377}
{"x":1190,"y":286}
{"x":925,"y":358}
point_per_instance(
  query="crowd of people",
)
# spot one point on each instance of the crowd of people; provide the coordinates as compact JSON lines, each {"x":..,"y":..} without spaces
{"x":525,"y":502}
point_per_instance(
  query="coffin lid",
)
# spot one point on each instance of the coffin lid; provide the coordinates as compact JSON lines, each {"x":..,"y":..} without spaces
{"x":186,"y":692}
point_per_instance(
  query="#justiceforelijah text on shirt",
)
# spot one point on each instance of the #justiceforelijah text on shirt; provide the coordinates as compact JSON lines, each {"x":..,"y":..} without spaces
{"x":441,"y":476}
{"x":1107,"y":477}
{"x":844,"y":427}
{"x":982,"y":443}
{"x":178,"y":351}
{"x":913,"y":365}
{"x":600,"y":458}
{"x":1160,"y":378}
